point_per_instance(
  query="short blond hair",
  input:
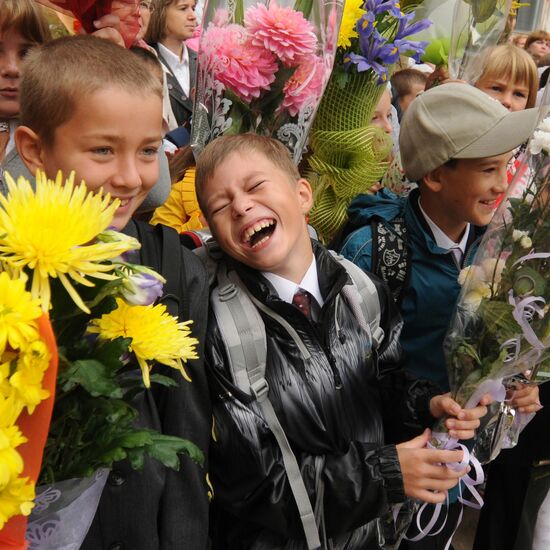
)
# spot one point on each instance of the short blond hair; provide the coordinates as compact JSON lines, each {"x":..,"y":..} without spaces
{"x":512,"y":64}
{"x":67,"y":70}
{"x":156,"y":30}
{"x":27,"y":18}
{"x":219,"y":149}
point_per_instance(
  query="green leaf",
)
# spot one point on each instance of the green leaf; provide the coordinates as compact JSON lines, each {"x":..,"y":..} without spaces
{"x":163,"y":380}
{"x":95,"y":377}
{"x":166,"y":448}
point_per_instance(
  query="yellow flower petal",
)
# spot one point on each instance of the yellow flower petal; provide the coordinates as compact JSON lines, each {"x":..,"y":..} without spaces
{"x":156,"y":335}
{"x":52,"y":231}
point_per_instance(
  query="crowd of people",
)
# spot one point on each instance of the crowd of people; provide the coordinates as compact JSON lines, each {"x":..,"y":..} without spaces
{"x":317,"y":382}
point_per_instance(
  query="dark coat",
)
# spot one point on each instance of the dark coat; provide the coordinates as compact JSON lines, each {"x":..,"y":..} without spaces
{"x":335,"y":409}
{"x":182,"y":105}
{"x":158,"y":508}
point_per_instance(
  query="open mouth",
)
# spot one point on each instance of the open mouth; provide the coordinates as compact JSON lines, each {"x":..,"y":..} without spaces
{"x":490,"y":204}
{"x":259,"y":232}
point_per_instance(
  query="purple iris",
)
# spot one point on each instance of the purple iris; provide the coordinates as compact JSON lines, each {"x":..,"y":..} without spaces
{"x":364,"y":64}
{"x":404,"y":29}
{"x":411,"y":48}
{"x":376,"y":7}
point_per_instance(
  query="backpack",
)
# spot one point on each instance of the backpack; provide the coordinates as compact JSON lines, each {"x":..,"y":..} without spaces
{"x":390,"y":252}
{"x":241,"y":326}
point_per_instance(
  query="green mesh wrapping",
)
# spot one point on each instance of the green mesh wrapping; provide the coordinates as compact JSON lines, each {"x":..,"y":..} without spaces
{"x":348,"y":155}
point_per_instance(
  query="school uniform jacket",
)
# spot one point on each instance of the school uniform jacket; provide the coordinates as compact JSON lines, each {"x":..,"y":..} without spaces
{"x":335,"y":408}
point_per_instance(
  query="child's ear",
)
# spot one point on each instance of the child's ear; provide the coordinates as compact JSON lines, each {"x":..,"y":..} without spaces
{"x":30,"y":148}
{"x":433,"y":180}
{"x":305,"y":195}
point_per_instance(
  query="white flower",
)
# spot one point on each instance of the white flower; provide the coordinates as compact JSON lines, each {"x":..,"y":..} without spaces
{"x":518,"y":235}
{"x":493,"y":269}
{"x":545,"y":125}
{"x":526,"y":242}
{"x":463,"y":275}
{"x":541,"y":138}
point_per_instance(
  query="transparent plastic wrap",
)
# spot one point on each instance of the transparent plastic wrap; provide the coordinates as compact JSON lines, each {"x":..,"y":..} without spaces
{"x":477,"y":25}
{"x":501,"y":327}
{"x":64,"y":511}
{"x":263,"y":67}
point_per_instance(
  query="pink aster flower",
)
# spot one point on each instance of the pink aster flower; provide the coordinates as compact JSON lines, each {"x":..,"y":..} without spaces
{"x":305,"y":85}
{"x":284,"y":31}
{"x":240,"y":66}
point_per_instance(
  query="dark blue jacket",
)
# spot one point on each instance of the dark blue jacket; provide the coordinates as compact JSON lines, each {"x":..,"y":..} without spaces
{"x":432,"y":290}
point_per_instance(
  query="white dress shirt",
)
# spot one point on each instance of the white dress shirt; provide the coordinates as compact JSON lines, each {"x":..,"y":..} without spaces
{"x":458,"y":249}
{"x":179,"y":67}
{"x":286,"y":289}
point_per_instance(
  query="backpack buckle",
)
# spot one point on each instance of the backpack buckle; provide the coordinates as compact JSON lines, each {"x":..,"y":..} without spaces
{"x":259,"y":389}
{"x":227,"y":292}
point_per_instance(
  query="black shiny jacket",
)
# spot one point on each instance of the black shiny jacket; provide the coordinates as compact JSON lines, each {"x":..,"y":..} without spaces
{"x":337,"y":410}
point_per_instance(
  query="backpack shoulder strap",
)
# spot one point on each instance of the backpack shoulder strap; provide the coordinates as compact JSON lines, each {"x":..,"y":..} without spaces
{"x":362,"y":297}
{"x":390,"y":254}
{"x":243,"y":333}
{"x":161,"y":251}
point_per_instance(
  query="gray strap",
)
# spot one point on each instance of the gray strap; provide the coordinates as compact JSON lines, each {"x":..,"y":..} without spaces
{"x":243,"y":333}
{"x":362,"y":297}
{"x":260,"y":390}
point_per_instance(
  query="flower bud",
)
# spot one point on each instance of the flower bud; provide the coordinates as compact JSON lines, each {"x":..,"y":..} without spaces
{"x":141,"y":289}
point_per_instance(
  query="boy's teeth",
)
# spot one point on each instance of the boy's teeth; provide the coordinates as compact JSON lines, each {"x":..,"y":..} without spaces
{"x":255,"y":228}
{"x":261,"y":241}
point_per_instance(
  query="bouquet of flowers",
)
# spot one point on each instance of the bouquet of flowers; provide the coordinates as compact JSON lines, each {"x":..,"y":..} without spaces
{"x":75,"y":317}
{"x":349,"y":155}
{"x":263,"y":69}
{"x":501,"y":327}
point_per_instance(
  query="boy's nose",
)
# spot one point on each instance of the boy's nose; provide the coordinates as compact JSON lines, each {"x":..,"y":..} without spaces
{"x":240,"y":206}
{"x":128,"y":175}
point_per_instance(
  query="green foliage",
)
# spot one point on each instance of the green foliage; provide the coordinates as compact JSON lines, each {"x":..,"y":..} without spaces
{"x":95,"y":422}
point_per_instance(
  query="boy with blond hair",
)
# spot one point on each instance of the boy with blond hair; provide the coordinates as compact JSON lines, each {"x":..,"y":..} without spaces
{"x":304,"y":454}
{"x":93,"y":107}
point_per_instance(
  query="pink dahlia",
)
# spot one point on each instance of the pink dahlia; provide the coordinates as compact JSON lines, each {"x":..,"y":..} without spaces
{"x":304,"y":86}
{"x":240,"y":66}
{"x":284,"y":31}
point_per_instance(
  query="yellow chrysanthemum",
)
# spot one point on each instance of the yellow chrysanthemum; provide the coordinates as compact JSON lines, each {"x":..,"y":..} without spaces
{"x":156,"y":335}
{"x":11,"y":463}
{"x":352,"y":13}
{"x":50,"y":230}
{"x":26,"y":382}
{"x":16,"y":498}
{"x":18,"y":314}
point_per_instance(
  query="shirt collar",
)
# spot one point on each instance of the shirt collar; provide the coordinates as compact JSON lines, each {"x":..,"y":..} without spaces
{"x":286,"y":289}
{"x":441,"y":239}
{"x":171,"y":58}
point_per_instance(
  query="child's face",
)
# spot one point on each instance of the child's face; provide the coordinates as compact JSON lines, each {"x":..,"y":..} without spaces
{"x":512,"y":95}
{"x":468,"y":192}
{"x":257,"y":214}
{"x":13,"y":48}
{"x":405,"y":101}
{"x":181,"y":20}
{"x":111,"y":142}
{"x":382,"y":117}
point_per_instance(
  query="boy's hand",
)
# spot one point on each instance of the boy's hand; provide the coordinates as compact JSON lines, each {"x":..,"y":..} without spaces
{"x":463,"y":422}
{"x":424,"y":470}
{"x":525,"y":399}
